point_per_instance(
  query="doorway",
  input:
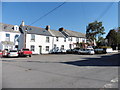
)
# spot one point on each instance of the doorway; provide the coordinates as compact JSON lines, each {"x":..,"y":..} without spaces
{"x":40,"y":49}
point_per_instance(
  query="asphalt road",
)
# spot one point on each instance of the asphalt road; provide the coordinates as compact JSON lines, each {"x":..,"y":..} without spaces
{"x":61,"y":71}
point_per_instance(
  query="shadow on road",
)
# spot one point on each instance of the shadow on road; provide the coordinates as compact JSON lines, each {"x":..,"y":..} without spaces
{"x":112,"y":60}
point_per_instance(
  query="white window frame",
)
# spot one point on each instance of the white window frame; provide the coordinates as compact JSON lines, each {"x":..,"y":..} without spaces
{"x":7,"y":38}
{"x":57,"y":39}
{"x":33,"y":37}
{"x":32,"y":48}
{"x":47,"y":39}
{"x":47,"y":48}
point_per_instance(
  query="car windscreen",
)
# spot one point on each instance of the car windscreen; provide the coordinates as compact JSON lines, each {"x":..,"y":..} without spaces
{"x":25,"y":49}
{"x":12,"y":51}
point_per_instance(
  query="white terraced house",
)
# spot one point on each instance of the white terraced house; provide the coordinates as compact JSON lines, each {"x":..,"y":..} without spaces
{"x":73,"y":37}
{"x":9,"y":36}
{"x":38,"y":40}
{"x":59,"y":41}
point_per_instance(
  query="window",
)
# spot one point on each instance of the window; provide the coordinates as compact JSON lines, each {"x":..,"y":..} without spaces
{"x":5,"y":27}
{"x":15,"y":28}
{"x":47,"y":48}
{"x":47,"y":39}
{"x":83,"y":40}
{"x":16,"y":46}
{"x":32,"y":48}
{"x":77,"y":39}
{"x":32,"y":37}
{"x":70,"y":39}
{"x":7,"y":37}
{"x":16,"y":38}
{"x":64,"y":39}
{"x":56,"y":38}
{"x":54,"y":45}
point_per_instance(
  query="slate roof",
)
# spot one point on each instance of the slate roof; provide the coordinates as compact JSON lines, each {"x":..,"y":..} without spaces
{"x":56,"y":33}
{"x":7,"y":28}
{"x":74,"y":33}
{"x":36,"y":30}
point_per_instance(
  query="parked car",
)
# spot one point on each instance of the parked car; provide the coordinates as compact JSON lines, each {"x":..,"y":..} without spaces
{"x":25,"y":52}
{"x":58,"y":51}
{"x":86,"y":51}
{"x":12,"y":53}
{"x":100,"y":51}
{"x":76,"y":50}
{"x":69,"y":51}
{"x":73,"y":51}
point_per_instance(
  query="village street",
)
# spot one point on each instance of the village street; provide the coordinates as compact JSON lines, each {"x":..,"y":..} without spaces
{"x":61,"y":71}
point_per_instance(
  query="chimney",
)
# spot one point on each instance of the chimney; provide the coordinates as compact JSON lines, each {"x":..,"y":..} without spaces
{"x":23,"y":23}
{"x":47,"y":27}
{"x":61,"y":29}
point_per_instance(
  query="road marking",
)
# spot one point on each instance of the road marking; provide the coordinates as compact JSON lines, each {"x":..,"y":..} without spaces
{"x":110,"y":85}
{"x":114,"y":80}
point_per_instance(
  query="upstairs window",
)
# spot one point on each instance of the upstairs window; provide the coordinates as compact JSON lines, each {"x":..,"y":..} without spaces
{"x":70,"y":38}
{"x":77,"y":39}
{"x":16,"y":28}
{"x":64,"y":39}
{"x":47,"y":39}
{"x":5,"y":27}
{"x":57,"y":39}
{"x":7,"y":37}
{"x":16,"y":38}
{"x":32,"y":37}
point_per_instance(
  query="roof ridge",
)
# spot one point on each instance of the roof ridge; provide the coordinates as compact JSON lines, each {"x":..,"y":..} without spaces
{"x":74,"y":31}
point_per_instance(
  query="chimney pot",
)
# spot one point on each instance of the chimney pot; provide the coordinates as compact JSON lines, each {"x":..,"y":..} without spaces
{"x":61,"y":29}
{"x":23,"y":23}
{"x":48,"y":27}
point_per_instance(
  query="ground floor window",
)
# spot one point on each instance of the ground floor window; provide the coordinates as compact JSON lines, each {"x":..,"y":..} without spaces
{"x":47,"y":48}
{"x":16,"y":46}
{"x":62,"y":47}
{"x":32,"y":48}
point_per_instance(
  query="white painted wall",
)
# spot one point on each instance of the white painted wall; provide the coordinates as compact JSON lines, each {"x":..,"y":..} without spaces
{"x":40,"y":40}
{"x":60,"y":42}
{"x":12,"y":38}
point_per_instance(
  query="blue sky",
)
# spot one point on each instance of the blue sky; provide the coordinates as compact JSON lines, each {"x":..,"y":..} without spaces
{"x":72,"y":15}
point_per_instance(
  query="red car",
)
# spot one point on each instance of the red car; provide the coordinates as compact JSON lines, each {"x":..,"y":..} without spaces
{"x":25,"y":52}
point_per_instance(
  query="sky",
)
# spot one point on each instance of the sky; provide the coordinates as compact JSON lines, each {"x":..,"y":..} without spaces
{"x":73,"y":16}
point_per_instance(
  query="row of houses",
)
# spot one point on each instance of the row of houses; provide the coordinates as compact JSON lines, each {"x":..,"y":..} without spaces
{"x":38,"y":40}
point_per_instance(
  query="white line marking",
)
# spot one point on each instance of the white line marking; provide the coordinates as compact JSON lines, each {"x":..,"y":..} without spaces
{"x":110,"y":85}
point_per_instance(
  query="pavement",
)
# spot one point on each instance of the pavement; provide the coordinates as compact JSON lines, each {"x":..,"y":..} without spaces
{"x":61,"y":71}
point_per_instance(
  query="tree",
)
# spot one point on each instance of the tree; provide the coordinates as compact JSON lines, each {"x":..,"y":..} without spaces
{"x":112,"y":37}
{"x":94,"y":31}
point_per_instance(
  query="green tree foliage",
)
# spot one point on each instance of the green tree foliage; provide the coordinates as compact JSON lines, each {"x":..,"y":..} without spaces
{"x":94,"y":31}
{"x":112,"y":37}
{"x":118,"y":36}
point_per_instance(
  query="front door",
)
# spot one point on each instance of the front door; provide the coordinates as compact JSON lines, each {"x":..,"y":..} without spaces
{"x":40,"y":49}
